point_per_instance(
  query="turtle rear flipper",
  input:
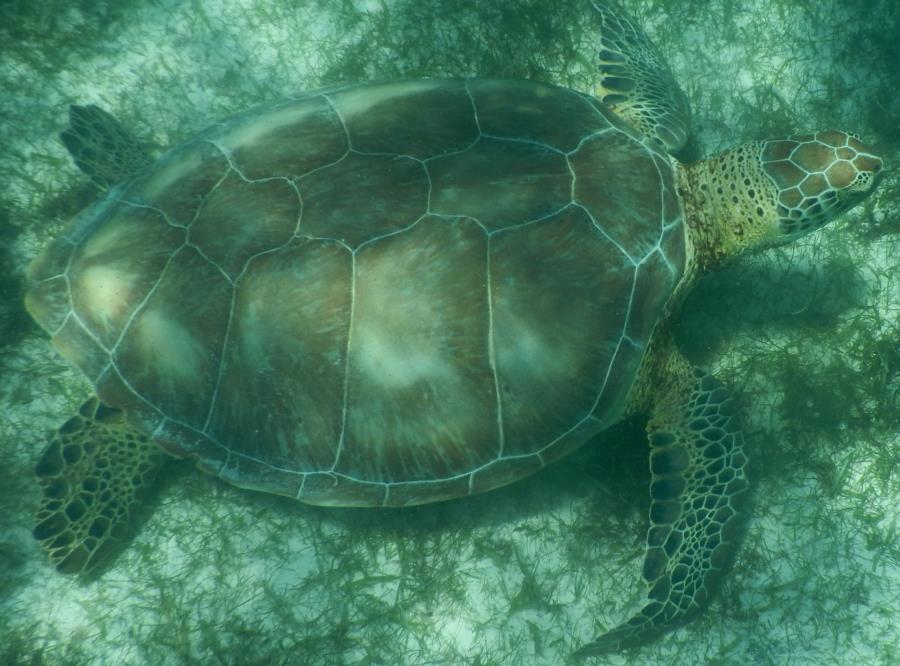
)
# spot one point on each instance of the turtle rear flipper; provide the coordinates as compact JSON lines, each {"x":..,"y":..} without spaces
{"x":636,"y":82}
{"x":697,"y":490}
{"x":101,"y":147}
{"x":95,"y":472}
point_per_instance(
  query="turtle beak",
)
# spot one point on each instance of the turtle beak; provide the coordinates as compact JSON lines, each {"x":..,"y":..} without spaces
{"x":819,"y":177}
{"x":852,"y":186}
{"x":869,"y":167}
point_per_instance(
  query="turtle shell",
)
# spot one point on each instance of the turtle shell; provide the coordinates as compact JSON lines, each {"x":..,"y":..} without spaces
{"x":378,"y":294}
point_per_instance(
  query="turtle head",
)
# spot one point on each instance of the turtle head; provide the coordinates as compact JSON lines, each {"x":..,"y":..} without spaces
{"x":767,"y":193}
{"x":817,"y":177}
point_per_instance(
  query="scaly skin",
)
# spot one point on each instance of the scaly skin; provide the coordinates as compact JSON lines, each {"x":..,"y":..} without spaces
{"x":766,"y":193}
{"x":754,"y":196}
{"x":738,"y":201}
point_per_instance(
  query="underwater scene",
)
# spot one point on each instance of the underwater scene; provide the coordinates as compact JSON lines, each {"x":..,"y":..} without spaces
{"x":528,"y":562}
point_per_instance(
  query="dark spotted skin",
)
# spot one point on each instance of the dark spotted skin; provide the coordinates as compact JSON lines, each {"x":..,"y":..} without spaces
{"x":766,"y":193}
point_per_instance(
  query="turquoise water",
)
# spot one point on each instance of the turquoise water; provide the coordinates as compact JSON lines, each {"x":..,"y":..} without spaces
{"x":808,"y":335}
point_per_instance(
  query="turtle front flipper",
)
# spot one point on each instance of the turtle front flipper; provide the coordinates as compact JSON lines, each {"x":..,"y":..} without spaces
{"x":698,"y":486}
{"x":94,"y":474}
{"x":101,"y":147}
{"x":637,"y":84}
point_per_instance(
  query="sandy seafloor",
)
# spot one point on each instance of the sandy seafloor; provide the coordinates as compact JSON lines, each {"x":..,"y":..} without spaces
{"x":807,"y":335}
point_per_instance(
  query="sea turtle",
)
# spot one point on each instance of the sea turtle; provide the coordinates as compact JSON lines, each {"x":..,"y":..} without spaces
{"x":394,"y":293}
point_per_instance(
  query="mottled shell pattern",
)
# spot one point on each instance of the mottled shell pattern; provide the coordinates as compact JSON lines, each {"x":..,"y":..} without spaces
{"x":377,"y":294}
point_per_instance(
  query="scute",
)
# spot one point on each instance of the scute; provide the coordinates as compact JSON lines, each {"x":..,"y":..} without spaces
{"x":436,"y":119}
{"x":271,"y":346}
{"x":221,"y":228}
{"x":263,"y":149}
{"x":501,"y":183}
{"x":339,"y":200}
{"x":554,"y":375}
{"x":388,"y":293}
{"x":171,"y":351}
{"x":521,"y":111}
{"x":419,"y":378}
